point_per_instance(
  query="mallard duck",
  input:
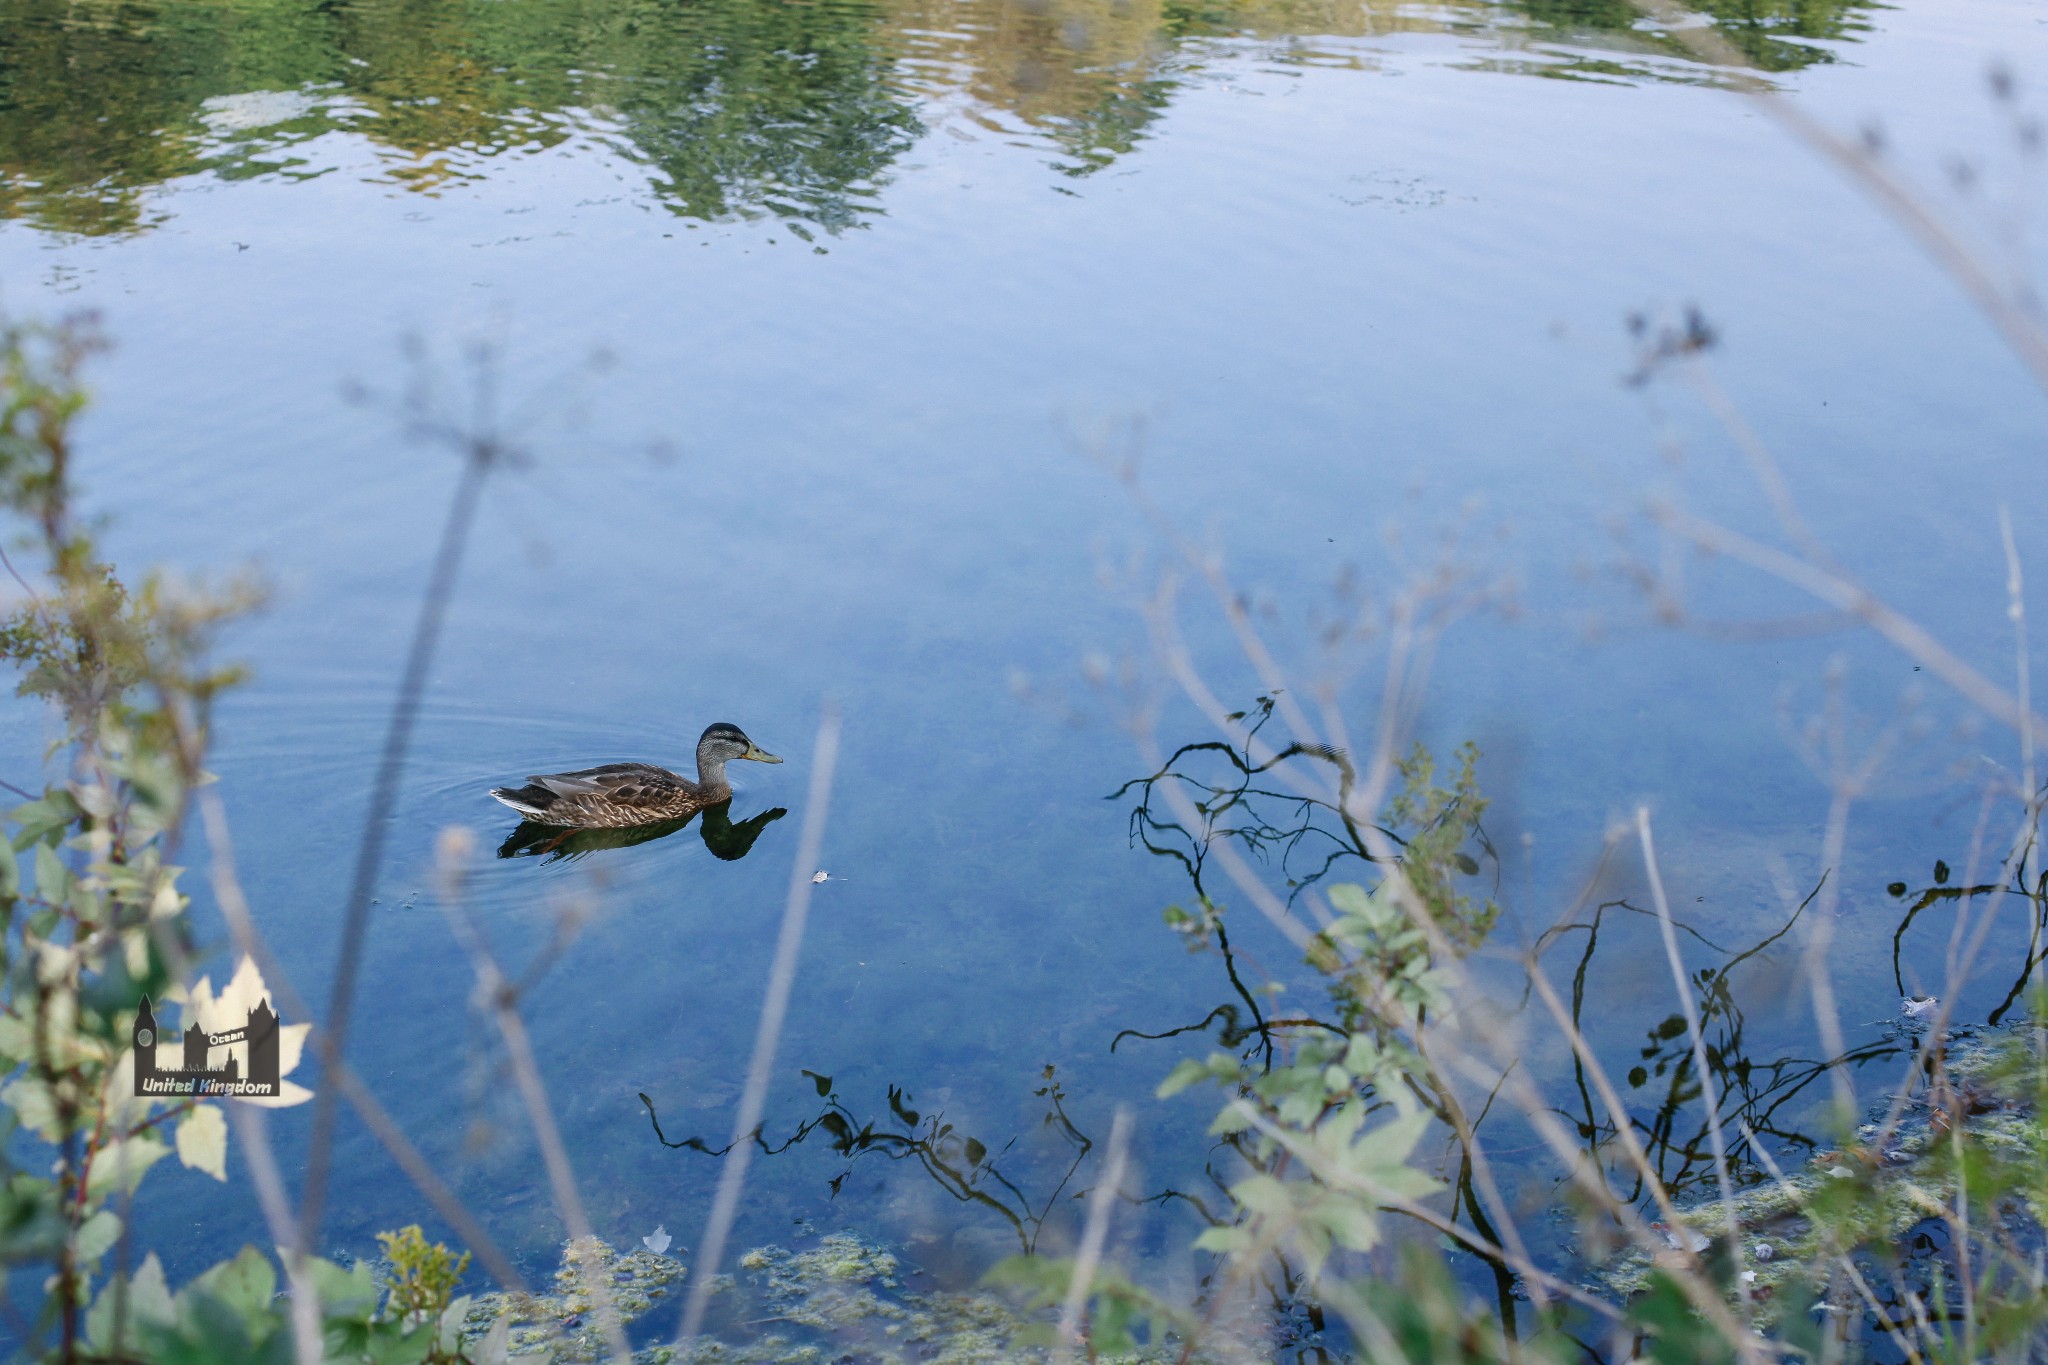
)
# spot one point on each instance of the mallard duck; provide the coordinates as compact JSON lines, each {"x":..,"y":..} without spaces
{"x":621,"y":794}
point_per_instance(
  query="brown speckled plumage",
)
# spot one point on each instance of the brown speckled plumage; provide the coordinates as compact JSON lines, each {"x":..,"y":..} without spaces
{"x":616,"y":795}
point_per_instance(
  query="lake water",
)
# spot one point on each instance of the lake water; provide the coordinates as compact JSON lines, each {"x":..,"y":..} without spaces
{"x":873,"y":280}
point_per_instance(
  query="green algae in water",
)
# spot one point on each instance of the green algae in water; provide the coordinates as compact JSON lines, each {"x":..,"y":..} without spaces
{"x":1869,"y":1203}
{"x":842,"y":1300}
{"x":568,"y":1325}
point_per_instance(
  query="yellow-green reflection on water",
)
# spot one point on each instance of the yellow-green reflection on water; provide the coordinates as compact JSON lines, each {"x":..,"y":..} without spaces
{"x":742,"y":108}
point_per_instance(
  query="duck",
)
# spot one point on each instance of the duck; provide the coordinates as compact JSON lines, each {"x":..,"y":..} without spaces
{"x":617,"y":795}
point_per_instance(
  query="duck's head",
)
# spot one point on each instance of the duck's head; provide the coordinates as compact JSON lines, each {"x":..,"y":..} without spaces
{"x":723,"y":742}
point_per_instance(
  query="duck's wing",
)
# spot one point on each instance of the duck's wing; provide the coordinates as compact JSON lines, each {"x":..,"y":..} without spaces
{"x":631,"y":786}
{"x":628,"y":784}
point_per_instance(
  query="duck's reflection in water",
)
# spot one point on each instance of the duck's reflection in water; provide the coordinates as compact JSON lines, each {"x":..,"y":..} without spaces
{"x":726,"y":840}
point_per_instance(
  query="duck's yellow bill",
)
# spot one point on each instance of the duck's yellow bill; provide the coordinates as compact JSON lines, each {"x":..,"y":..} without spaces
{"x":759,"y":754}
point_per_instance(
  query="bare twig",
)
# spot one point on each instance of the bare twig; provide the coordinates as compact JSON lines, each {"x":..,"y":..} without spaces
{"x":1101,"y":1201}
{"x":732,"y":1175}
{"x":495,"y":994}
{"x":482,"y":450}
{"x":1683,"y":985}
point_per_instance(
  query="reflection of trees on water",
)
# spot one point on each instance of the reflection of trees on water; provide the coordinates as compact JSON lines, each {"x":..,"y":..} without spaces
{"x":1777,"y":35}
{"x":962,"y":1165}
{"x":727,"y":839}
{"x":738,"y":108}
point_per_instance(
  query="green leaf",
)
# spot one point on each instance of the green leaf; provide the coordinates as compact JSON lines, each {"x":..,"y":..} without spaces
{"x":144,"y":1301}
{"x":30,"y":1100}
{"x":119,"y":1166}
{"x":10,"y":872}
{"x":38,"y":818}
{"x":1349,"y":898}
{"x":53,"y":879}
{"x":97,"y":1235}
{"x":1223,"y":1241}
{"x":353,"y":1292}
{"x":246,"y":1284}
{"x":203,"y":1140}
{"x":1188,"y":1072}
{"x":1232,"y":1118}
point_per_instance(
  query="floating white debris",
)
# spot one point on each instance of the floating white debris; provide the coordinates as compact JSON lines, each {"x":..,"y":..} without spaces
{"x":1762,"y":1251}
{"x":1841,"y":1172}
{"x":1919,"y":1006}
{"x":1683,"y":1237}
{"x":659,"y":1243}
{"x":817,"y":877}
{"x":1749,"y":1277}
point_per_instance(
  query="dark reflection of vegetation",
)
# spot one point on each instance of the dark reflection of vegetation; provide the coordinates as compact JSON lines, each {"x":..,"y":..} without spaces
{"x":1310,"y":839}
{"x":1939,"y":892}
{"x":725,"y":839}
{"x":963,"y":1166}
{"x":1754,"y":1092}
{"x":1312,"y":844}
{"x":737,"y":108}
{"x":1777,"y":35}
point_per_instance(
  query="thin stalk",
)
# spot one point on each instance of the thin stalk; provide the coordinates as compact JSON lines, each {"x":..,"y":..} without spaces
{"x":1699,"y":1042}
{"x":331,"y":1038}
{"x":796,"y":906}
{"x":1101,"y":1201}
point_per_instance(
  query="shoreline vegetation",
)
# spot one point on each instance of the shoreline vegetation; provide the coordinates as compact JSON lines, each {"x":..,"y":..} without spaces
{"x":1361,"y":1205}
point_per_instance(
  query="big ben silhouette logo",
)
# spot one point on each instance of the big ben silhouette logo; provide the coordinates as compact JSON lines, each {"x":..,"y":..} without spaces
{"x":250,"y":1069}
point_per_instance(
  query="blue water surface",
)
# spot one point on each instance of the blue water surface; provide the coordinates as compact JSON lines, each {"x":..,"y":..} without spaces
{"x":1344,"y":282}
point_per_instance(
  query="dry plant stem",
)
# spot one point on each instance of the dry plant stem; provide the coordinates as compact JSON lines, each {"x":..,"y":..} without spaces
{"x":1617,"y":1112}
{"x":248,"y":1120}
{"x":331,"y":1035}
{"x":732,"y":1175}
{"x":1852,"y":598}
{"x":1210,"y":567}
{"x":1094,"y":1233}
{"x":496,"y":995}
{"x":1827,"y":1015}
{"x":1589,"y":1177}
{"x":2030,"y":784}
{"x":250,"y":1128}
{"x":1517,"y":1252}
{"x":2019,"y":327}
{"x":249,"y":941}
{"x":1367,"y":1325}
{"x":1762,"y":464}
